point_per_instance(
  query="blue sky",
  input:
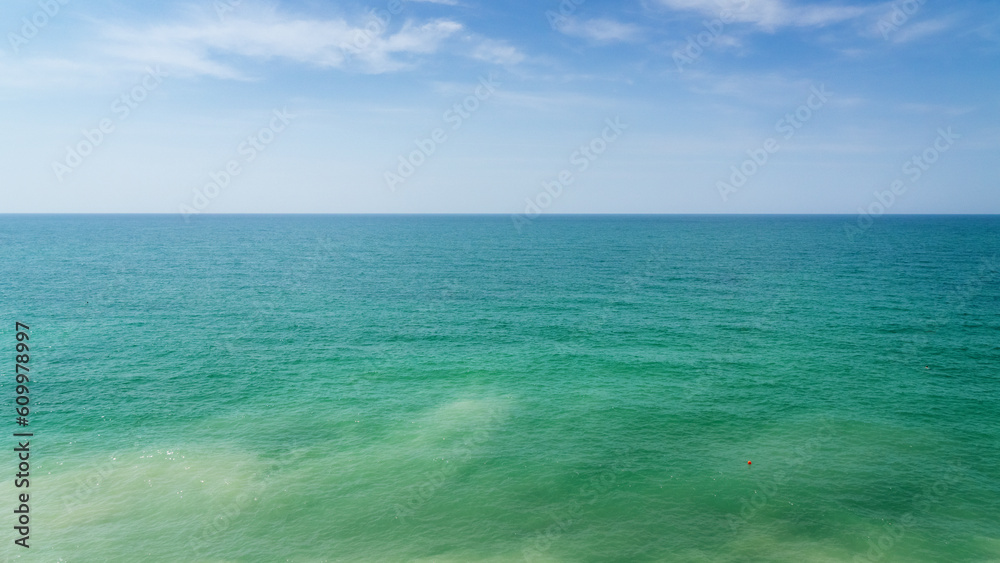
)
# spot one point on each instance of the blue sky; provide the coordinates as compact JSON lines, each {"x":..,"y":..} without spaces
{"x":649,"y":106}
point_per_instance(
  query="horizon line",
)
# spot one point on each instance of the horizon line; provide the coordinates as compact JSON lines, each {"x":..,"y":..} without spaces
{"x":495,"y":214}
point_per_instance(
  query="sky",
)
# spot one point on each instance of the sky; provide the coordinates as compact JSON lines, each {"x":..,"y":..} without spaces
{"x":520,"y":107}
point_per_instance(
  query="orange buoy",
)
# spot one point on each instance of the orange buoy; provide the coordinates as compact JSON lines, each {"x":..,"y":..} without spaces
{"x":748,"y":463}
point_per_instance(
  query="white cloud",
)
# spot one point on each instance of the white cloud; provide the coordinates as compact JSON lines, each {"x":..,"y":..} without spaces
{"x":497,"y":52}
{"x":553,"y":102}
{"x":207,"y":46}
{"x":940,"y":109}
{"x":758,"y":90}
{"x":921,"y":29}
{"x":770,"y":14}
{"x":601,"y":30}
{"x":201,"y":43}
{"x":48,"y":73}
{"x":728,"y":42}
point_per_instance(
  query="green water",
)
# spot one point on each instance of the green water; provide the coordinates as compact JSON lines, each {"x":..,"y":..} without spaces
{"x":452,"y":389}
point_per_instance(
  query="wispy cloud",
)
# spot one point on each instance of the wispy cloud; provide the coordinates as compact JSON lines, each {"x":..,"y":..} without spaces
{"x":922,"y":29}
{"x":497,"y":52}
{"x":938,"y":109}
{"x":48,"y":73}
{"x":209,"y":46}
{"x":770,"y":15}
{"x":248,"y":41}
{"x":600,"y":30}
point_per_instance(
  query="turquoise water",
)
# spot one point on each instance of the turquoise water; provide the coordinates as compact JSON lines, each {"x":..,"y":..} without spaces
{"x":434,"y":388}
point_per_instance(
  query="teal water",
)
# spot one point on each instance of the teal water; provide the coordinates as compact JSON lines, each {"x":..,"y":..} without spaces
{"x":434,"y":388}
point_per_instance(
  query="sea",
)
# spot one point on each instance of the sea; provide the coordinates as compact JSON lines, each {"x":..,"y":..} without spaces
{"x":465,"y":388}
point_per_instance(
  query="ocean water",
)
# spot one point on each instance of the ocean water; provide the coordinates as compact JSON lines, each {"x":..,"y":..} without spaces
{"x":453,"y":388}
